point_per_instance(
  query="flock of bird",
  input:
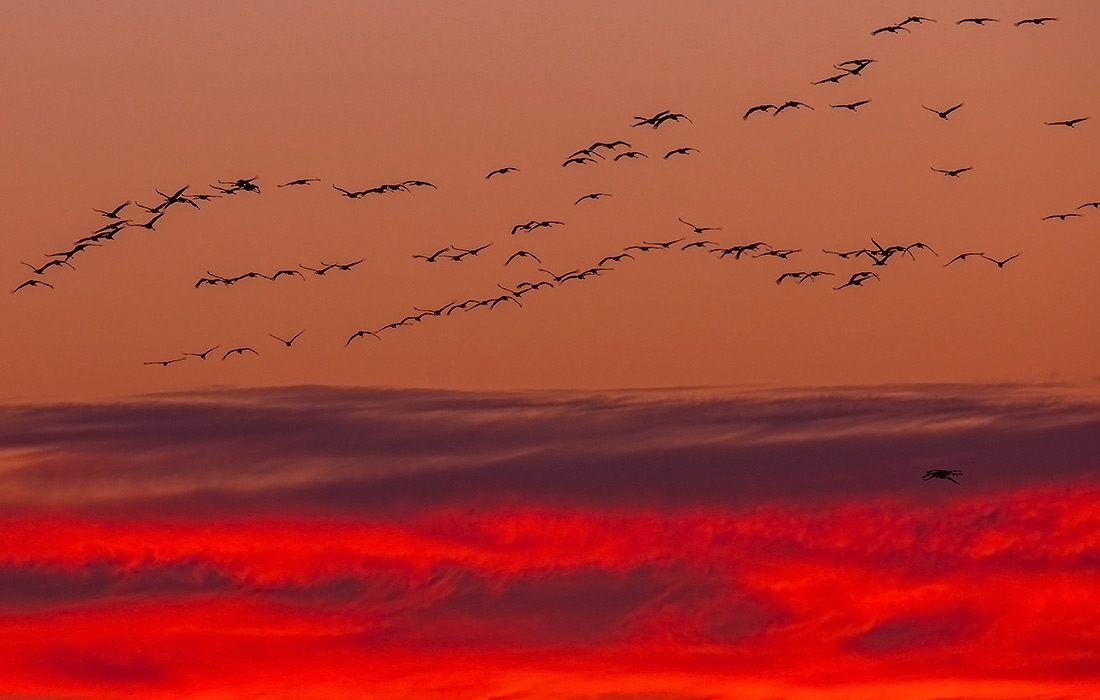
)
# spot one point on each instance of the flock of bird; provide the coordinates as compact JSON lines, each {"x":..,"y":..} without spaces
{"x":875,"y":254}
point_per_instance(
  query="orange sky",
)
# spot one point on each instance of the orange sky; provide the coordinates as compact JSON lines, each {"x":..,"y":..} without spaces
{"x":106,"y":104}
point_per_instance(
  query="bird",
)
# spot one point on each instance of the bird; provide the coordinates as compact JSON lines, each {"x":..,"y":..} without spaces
{"x":360,"y":334}
{"x":855,"y":66}
{"x":793,"y":275}
{"x":697,"y":244}
{"x":664,"y":245}
{"x":317,"y":271}
{"x":915,"y":20}
{"x":672,"y":116}
{"x":1037,"y":21}
{"x":113,"y":213}
{"x":239,"y":351}
{"x":922,"y":246}
{"x":611,"y":146}
{"x":150,"y":223}
{"x":344,"y":266}
{"x":165,"y":363}
{"x":522,"y":254}
{"x":1001,"y":263}
{"x":348,"y":193}
{"x":680,"y":152}
{"x":211,"y":281}
{"x":963,"y":257}
{"x":980,"y":21}
{"x":1060,"y":217}
{"x":857,"y":279}
{"x":204,"y":197}
{"x":812,"y":275}
{"x":631,"y":155}
{"x":300,"y":181}
{"x":80,"y":247}
{"x":833,"y":78}
{"x":851,"y":105}
{"x":544,"y":224}
{"x":586,"y":152}
{"x":788,"y":104}
{"x":434,"y":256}
{"x":941,"y":474}
{"x":40,"y":270}
{"x":276,"y":274}
{"x":502,"y":171}
{"x":473,"y":251}
{"x":945,"y":113}
{"x":32,"y":283}
{"x":1067,"y":122}
{"x":579,"y":160}
{"x":784,"y":254}
{"x":286,"y":342}
{"x":594,"y":195}
{"x":757,"y":108}
{"x":1094,"y":205}
{"x":246,"y":275}
{"x":699,"y":229}
{"x":952,"y":173}
{"x":418,"y":183}
{"x":892,"y":29}
{"x":202,"y":355}
{"x":615,"y":258}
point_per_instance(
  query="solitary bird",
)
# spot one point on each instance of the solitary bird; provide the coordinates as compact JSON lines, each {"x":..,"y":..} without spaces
{"x":502,"y":171}
{"x":945,"y":113}
{"x":952,"y":173}
{"x":300,"y":181}
{"x":239,"y":351}
{"x":113,"y":213}
{"x":851,"y":105}
{"x":1068,"y":122}
{"x":1060,"y":217}
{"x":941,"y":474}
{"x":286,"y":342}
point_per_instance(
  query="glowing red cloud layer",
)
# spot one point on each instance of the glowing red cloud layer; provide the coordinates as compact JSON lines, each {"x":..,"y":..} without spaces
{"x":990,"y":596}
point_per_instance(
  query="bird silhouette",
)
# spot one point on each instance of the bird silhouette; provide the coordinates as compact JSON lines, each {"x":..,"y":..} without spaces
{"x":615,"y":258}
{"x":1094,"y":205}
{"x":892,"y":29}
{"x":277,"y":273}
{"x":344,"y":266}
{"x":631,"y":155}
{"x":952,"y":173}
{"x":1037,"y":21}
{"x":113,"y":213}
{"x":963,"y":257}
{"x":1060,"y":217}
{"x":857,"y":279}
{"x":150,"y":223}
{"x":239,"y":351}
{"x":31,"y":283}
{"x":1001,"y":263}
{"x":1067,"y":122}
{"x":473,"y":251}
{"x":202,"y":355}
{"x":790,"y":104}
{"x":360,"y":334}
{"x":286,"y":342}
{"x":317,"y":270}
{"x":851,"y":105}
{"x":980,"y":21}
{"x":944,"y":114}
{"x":434,"y":256}
{"x":915,"y":20}
{"x":348,"y":193}
{"x":522,"y":254}
{"x":418,"y":183}
{"x":686,"y":150}
{"x":41,"y":270}
{"x":502,"y":171}
{"x":594,"y":195}
{"x":611,"y":145}
{"x":699,"y":229}
{"x":579,"y":160}
{"x":833,"y":78}
{"x":941,"y":474}
{"x":758,"y":108}
{"x":300,"y":181}
{"x":165,"y":363}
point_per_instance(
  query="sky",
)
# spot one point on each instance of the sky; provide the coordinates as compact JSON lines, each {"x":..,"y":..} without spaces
{"x":682,"y":476}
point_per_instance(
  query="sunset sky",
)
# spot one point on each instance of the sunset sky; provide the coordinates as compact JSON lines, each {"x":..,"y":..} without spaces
{"x":675,"y":479}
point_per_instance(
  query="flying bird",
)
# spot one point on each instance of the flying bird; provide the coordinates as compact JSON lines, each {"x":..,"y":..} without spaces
{"x":202,"y":355}
{"x":276,"y":274}
{"x":502,"y":171}
{"x":113,"y":213}
{"x":434,"y":256}
{"x":286,"y":342}
{"x":239,"y":351}
{"x":952,"y":173}
{"x":892,"y":29}
{"x":789,"y":104}
{"x":1060,"y":217}
{"x":833,"y":78}
{"x":1001,"y":263}
{"x":150,"y":223}
{"x":31,"y":283}
{"x":594,"y":195}
{"x":344,"y":266}
{"x":963,"y":257}
{"x":758,"y":108}
{"x":1037,"y":21}
{"x":579,"y":160}
{"x":857,"y":279}
{"x":945,"y":113}
{"x":1067,"y":122}
{"x":416,"y":183}
{"x":522,"y":254}
{"x":40,"y":270}
{"x":165,"y":363}
{"x":915,"y":20}
{"x":348,"y":193}
{"x":851,"y":105}
{"x":980,"y":21}
{"x":300,"y":181}
{"x":611,"y":146}
{"x":699,"y":229}
{"x":630,"y":154}
{"x":941,"y":474}
{"x":680,"y":152}
{"x":615,"y":258}
{"x":360,"y":334}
